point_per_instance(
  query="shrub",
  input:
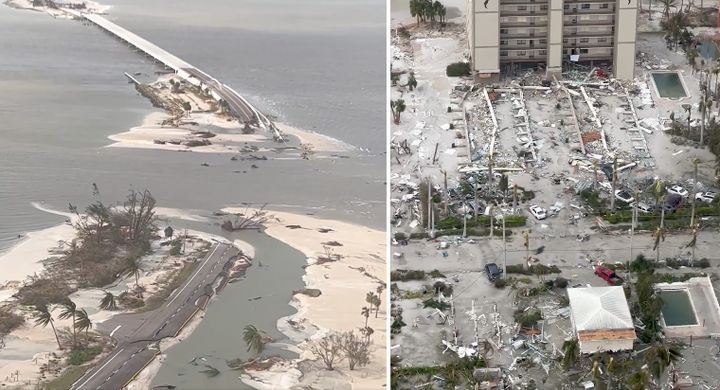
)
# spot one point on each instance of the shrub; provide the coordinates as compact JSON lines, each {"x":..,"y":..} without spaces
{"x":9,"y":320}
{"x":175,"y":248}
{"x":405,"y":275}
{"x":537,"y":269}
{"x":458,"y":69}
{"x":561,"y":282}
{"x":79,"y":356}
{"x":436,"y":274}
{"x":702,"y":263}
{"x":435,"y":304}
{"x":500,"y":282}
{"x":528,"y":318}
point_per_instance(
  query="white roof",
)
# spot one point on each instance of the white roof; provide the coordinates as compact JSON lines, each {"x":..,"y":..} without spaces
{"x":597,"y":308}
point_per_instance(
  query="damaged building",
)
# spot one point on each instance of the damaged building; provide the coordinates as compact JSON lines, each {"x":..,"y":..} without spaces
{"x":601,"y":319}
{"x":551,"y":33}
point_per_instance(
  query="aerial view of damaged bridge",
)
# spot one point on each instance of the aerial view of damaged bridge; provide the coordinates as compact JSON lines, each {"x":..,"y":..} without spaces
{"x":554,"y":214}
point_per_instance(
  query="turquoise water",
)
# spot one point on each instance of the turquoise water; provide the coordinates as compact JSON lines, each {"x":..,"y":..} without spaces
{"x":708,"y":49}
{"x":669,"y":85}
{"x":677,"y":309}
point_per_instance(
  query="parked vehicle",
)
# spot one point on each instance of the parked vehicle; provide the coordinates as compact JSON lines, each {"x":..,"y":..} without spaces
{"x":538,"y":212}
{"x":672,"y":202}
{"x":678,"y":190}
{"x":624,"y":196}
{"x":643,"y":207}
{"x":608,"y":275}
{"x":707,"y":196}
{"x":493,"y":271}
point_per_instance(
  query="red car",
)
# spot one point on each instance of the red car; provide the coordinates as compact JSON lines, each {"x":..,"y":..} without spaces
{"x":608,"y":275}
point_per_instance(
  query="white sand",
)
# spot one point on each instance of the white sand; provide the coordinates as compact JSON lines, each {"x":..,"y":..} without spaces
{"x":319,"y":142}
{"x":185,"y":215}
{"x":143,"y":136}
{"x":25,"y":258}
{"x":343,"y":288}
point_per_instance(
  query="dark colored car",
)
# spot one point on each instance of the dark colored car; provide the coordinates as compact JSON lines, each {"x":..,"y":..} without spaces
{"x":493,"y":271}
{"x":672,"y":202}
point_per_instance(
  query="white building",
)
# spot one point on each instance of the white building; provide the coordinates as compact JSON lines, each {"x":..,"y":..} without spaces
{"x":551,"y":32}
{"x":601,"y":319}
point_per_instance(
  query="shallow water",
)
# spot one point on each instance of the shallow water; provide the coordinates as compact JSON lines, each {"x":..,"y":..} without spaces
{"x":677,"y":309}
{"x":64,"y":92}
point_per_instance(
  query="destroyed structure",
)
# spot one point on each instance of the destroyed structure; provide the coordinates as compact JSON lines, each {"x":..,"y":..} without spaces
{"x":601,"y":319}
{"x":551,"y":32}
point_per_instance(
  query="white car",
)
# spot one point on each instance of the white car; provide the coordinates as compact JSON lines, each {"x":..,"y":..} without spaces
{"x":624,"y":196}
{"x":538,"y":212}
{"x":678,"y":190}
{"x":707,"y":196}
{"x":643,"y":208}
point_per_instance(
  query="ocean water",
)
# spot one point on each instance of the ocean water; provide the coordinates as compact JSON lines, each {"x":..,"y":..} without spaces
{"x":316,"y":64}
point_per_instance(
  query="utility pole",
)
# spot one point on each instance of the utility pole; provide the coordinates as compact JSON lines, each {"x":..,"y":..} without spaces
{"x":429,"y":201}
{"x":491,"y":222}
{"x":447,"y":196}
{"x":184,"y":240}
{"x":504,"y":249}
{"x":696,"y":161}
{"x":632,"y":225}
{"x":614,"y":184}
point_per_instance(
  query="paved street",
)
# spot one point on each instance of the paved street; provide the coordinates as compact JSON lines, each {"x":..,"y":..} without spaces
{"x":137,"y":334}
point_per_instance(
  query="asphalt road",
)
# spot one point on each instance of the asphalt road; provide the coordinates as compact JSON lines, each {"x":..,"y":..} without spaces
{"x":137,"y":335}
{"x":237,"y":106}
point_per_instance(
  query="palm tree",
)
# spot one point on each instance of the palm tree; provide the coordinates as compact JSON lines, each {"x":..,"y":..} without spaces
{"x":365,"y":312}
{"x":43,"y":317}
{"x":667,"y":4}
{"x":659,"y":356}
{"x":69,"y":309}
{"x":416,"y":10}
{"x":108,"y":302}
{"x":412,"y":82}
{"x":374,"y":300}
{"x":688,"y":109}
{"x":572,"y":351}
{"x":693,"y":243}
{"x":254,"y":338}
{"x":659,"y":236}
{"x":82,"y":321}
{"x":133,"y":269}
{"x":397,"y":107}
{"x":639,"y":380}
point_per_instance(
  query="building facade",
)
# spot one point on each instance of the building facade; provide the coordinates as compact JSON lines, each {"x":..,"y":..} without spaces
{"x":551,"y":32}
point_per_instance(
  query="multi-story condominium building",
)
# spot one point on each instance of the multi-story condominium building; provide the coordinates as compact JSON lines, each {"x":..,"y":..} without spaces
{"x":551,"y":32}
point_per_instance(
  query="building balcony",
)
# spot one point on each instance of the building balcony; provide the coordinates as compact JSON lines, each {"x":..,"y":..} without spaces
{"x":591,"y":11}
{"x":524,"y":33}
{"x":524,"y":2}
{"x":513,"y":11}
{"x":576,"y":21}
{"x":525,"y":46}
{"x":600,"y":31}
{"x":570,"y":44}
{"x":524,"y":22}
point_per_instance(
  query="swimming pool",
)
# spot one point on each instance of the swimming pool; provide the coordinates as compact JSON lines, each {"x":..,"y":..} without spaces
{"x":677,"y":309}
{"x":669,"y":85}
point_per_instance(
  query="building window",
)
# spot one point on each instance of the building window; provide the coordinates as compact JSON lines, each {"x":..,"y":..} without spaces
{"x":566,"y":6}
{"x":543,"y":7}
{"x":503,"y":54}
{"x":585,"y":6}
{"x":602,"y":39}
{"x":565,"y":40}
{"x":583,"y":51}
{"x":543,"y":52}
{"x":522,"y":7}
{"x":520,"y":42}
{"x":503,"y":42}
{"x":521,"y":54}
{"x":503,"y":31}
{"x":604,"y":5}
{"x":543,"y":41}
{"x":584,"y":40}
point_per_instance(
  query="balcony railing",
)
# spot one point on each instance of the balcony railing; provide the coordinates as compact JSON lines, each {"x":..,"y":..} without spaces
{"x":574,"y":20}
{"x":589,"y":11}
{"x":600,"y":31}
{"x":578,"y":44}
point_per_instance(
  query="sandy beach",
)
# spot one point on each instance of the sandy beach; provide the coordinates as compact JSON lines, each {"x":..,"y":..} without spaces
{"x":28,"y":347}
{"x":344,"y":285}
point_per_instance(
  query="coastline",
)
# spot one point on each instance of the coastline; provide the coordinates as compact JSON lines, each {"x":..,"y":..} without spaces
{"x":29,"y":346}
{"x":343,"y":283}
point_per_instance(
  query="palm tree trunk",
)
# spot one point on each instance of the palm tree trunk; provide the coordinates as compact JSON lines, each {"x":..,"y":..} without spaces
{"x":74,"y":331}
{"x":56,"y":335}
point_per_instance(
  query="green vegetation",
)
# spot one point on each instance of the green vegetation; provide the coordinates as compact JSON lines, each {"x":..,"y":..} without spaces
{"x":592,"y":199}
{"x":537,"y":269}
{"x":175,"y":279}
{"x":65,"y":381}
{"x":79,"y":356}
{"x":528,"y":318}
{"x":453,"y":222}
{"x":405,"y":275}
{"x":455,"y":372}
{"x":458,"y":69}
{"x":435,"y":304}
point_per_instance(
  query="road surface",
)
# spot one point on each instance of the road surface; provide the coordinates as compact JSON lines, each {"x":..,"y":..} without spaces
{"x":137,"y":334}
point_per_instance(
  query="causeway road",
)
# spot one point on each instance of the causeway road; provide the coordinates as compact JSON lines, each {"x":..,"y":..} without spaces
{"x":138,"y":334}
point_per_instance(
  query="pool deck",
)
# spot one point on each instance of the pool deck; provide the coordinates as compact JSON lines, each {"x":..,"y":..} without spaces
{"x":706,"y":307}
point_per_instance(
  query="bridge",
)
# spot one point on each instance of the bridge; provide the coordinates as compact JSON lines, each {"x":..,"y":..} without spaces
{"x":238,"y":106}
